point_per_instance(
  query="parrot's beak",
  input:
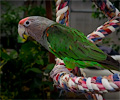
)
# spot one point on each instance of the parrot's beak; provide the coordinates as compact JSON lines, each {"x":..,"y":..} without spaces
{"x":21,"y":31}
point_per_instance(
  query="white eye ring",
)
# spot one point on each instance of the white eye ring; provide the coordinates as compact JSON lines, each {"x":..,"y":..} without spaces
{"x":27,"y":23}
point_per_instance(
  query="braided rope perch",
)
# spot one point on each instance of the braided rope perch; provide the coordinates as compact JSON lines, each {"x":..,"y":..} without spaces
{"x":109,"y":27}
{"x":116,"y":57}
{"x":64,"y":79}
{"x":67,"y":81}
{"x":62,"y":12}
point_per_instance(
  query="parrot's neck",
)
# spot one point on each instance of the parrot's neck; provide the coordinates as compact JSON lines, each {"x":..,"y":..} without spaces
{"x":43,"y":41}
{"x":38,"y":27}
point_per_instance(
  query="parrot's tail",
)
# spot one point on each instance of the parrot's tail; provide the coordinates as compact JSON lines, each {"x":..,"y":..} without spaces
{"x":110,"y":63}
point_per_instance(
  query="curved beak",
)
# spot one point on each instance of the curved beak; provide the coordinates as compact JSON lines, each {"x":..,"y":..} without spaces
{"x":21,"y":31}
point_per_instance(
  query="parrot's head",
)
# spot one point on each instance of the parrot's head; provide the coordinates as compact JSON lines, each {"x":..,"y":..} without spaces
{"x":33,"y":27}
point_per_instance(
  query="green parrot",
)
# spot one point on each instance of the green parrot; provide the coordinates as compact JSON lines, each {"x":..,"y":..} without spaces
{"x":66,"y":43}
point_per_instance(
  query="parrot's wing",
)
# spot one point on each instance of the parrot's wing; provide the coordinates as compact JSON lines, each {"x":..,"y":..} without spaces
{"x":71,"y":63}
{"x":69,"y":42}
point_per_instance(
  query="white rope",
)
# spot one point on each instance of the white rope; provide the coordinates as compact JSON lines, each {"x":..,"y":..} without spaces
{"x":116,"y":57}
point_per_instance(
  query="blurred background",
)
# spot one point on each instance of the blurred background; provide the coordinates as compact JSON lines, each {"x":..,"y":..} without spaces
{"x":25,"y":66}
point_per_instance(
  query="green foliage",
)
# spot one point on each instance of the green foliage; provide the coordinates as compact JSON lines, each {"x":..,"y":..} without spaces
{"x":37,"y":10}
{"x":98,"y":14}
{"x":24,"y":67}
{"x":22,"y":75}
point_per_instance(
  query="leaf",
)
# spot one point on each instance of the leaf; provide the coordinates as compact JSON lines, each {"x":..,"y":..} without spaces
{"x":48,"y":83}
{"x":40,"y":62}
{"x":4,"y":55}
{"x":36,"y":70}
{"x":28,"y":47}
{"x":49,"y":68}
{"x":0,"y":53}
{"x":2,"y":63}
{"x":28,"y":52}
{"x":13,"y":54}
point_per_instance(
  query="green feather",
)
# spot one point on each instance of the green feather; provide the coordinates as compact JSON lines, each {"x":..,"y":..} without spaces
{"x":72,"y":46}
{"x":69,"y":42}
{"x":71,"y":63}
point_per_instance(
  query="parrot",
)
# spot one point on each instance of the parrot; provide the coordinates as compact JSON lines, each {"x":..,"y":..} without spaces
{"x":66,"y":43}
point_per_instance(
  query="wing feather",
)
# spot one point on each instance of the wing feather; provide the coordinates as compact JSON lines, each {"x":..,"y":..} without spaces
{"x":69,"y":42}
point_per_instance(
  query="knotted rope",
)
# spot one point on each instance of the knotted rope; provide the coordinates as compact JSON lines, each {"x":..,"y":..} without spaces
{"x":62,"y":12}
{"x":67,"y":81}
{"x":111,"y":26}
{"x":64,"y":79}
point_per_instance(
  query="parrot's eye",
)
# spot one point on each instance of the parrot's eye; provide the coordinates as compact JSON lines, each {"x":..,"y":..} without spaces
{"x":27,"y":23}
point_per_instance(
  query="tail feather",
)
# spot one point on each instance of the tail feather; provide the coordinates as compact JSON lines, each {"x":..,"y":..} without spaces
{"x":110,"y":63}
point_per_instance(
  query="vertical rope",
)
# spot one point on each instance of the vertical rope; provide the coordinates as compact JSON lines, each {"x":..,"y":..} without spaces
{"x":62,"y":12}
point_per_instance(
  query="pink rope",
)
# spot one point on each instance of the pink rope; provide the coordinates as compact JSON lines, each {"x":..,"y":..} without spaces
{"x":111,"y":26}
{"x":93,"y":86}
{"x":107,"y":8}
{"x":104,"y":30}
{"x":67,"y":81}
{"x":62,"y":12}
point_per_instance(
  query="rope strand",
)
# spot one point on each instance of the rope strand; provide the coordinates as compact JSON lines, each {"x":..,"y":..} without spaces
{"x":67,"y":81}
{"x":92,"y":87}
{"x":109,"y":27}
